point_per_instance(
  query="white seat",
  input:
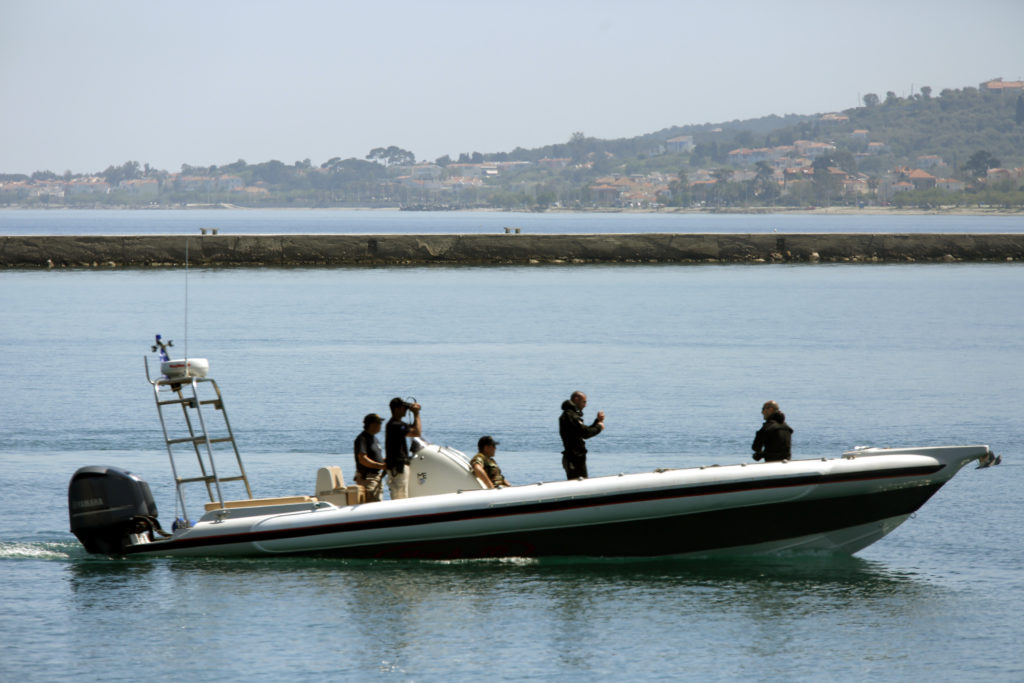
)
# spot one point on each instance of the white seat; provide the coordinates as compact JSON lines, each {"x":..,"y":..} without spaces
{"x":330,"y":487}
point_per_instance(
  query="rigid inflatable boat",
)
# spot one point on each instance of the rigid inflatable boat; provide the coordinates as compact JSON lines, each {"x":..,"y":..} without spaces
{"x":840,"y":504}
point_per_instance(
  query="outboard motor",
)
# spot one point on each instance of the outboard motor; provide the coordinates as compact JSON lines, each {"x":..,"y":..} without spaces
{"x":110,"y":509}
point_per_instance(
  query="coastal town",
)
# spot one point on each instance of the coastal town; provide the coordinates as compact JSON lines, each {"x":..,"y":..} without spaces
{"x":892,"y":152}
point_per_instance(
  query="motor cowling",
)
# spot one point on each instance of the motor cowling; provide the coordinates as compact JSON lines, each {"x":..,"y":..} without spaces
{"x":439,"y":469}
{"x":109,"y":509}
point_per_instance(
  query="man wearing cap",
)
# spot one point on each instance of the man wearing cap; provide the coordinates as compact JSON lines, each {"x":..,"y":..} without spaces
{"x":396,"y":449}
{"x":484,"y":467}
{"x":369,"y":460}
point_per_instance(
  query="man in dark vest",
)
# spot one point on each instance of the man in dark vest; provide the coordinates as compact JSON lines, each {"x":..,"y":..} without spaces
{"x":369,"y":459}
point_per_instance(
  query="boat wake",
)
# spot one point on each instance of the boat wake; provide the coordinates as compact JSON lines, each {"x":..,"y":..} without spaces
{"x":41,"y":550}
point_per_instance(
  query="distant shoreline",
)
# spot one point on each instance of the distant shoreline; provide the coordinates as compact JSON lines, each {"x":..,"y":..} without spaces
{"x":748,"y":211}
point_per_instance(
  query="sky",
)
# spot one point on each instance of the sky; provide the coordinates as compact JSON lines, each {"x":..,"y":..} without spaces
{"x":87,"y":85}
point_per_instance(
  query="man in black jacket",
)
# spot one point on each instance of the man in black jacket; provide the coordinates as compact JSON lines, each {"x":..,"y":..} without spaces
{"x":573,"y":432}
{"x":772,"y":441}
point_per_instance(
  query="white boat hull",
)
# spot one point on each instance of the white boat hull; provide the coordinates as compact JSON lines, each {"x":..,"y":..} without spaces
{"x":835,"y":505}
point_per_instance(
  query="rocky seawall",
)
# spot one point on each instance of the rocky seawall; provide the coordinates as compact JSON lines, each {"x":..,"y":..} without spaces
{"x":106,"y":251}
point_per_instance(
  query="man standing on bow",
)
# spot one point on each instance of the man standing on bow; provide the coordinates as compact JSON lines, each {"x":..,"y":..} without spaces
{"x":574,"y":431}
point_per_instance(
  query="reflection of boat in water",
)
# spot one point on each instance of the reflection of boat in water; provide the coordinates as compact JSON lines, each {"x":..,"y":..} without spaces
{"x":838,"y":504}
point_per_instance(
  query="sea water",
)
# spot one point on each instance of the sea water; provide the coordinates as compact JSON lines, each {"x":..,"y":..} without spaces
{"x":388,"y":221}
{"x":679,"y":357}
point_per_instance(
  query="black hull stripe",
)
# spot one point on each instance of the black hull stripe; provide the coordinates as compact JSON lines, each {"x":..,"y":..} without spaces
{"x":699,"y":533}
{"x":559,"y":505}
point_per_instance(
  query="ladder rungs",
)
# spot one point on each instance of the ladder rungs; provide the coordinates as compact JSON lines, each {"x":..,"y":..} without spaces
{"x":199,"y":439}
{"x":210,"y":477}
{"x":191,"y":402}
{"x":175,"y":401}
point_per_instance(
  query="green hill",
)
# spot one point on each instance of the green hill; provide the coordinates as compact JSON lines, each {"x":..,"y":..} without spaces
{"x":961,"y":133}
{"x":953,"y":125}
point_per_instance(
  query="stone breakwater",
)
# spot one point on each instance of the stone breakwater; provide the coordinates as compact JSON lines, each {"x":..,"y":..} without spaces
{"x":146,"y":251}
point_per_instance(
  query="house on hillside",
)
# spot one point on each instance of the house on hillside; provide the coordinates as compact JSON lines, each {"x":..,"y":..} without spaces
{"x":949,"y":184}
{"x":681,"y":143}
{"x":142,"y":188}
{"x":252,"y":191}
{"x":855,"y":184}
{"x":1002,"y":175}
{"x":90,"y":185}
{"x":744,"y":156}
{"x":553,"y":164}
{"x":892,"y":185}
{"x":921,"y":180}
{"x":194,"y":183}
{"x":810,"y":148}
{"x":605,"y":193}
{"x":835,"y":118}
{"x":458,"y":184}
{"x":24,"y":189}
{"x":510,"y":165}
{"x":998,"y":85}
{"x":426,"y":172}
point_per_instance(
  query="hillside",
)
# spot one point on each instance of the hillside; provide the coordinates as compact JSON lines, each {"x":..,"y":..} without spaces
{"x":954,"y":125}
{"x":889,"y":150}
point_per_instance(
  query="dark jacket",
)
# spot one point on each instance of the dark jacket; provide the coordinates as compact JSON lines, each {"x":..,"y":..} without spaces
{"x":573,"y":431}
{"x":773,"y":440}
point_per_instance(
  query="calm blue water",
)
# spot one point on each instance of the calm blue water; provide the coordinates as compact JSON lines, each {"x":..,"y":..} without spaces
{"x":328,"y":221}
{"x":679,"y":357}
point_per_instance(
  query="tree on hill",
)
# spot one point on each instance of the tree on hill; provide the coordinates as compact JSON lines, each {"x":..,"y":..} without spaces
{"x":392,"y":156}
{"x":826,"y":183}
{"x":765,"y":187}
{"x":679,"y":190}
{"x":979,"y":163}
{"x":130,"y":170}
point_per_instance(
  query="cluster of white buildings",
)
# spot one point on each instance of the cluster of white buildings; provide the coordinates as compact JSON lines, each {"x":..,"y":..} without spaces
{"x":140,"y":188}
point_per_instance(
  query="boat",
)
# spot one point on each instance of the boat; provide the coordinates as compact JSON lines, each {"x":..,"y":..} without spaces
{"x":836,"y":504}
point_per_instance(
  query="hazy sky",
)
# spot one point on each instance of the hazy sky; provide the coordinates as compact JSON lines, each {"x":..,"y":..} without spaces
{"x":89,"y":84}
